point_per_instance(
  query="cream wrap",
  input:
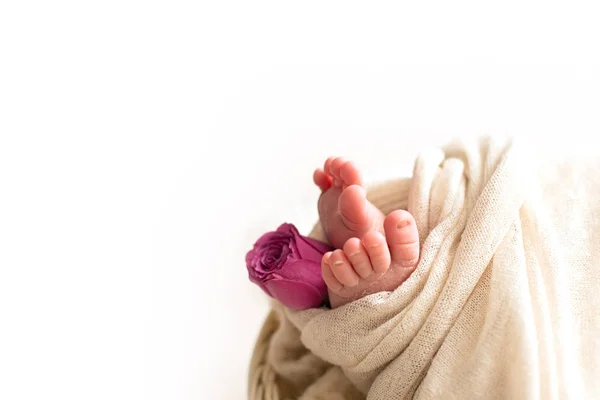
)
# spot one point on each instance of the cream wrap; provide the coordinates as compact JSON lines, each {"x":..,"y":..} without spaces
{"x":505,"y":301}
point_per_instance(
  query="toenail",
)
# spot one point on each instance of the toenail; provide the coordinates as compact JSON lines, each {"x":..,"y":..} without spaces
{"x":339,"y":262}
{"x":354,"y":254}
{"x":402,"y":224}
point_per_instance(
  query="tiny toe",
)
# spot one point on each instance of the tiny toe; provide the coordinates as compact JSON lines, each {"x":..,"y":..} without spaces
{"x":328,"y":276}
{"x":322,"y":180}
{"x":327,"y":166}
{"x":352,"y":204}
{"x":350,"y":175}
{"x":342,"y":269}
{"x":358,"y":257}
{"x":335,"y":170}
{"x":379,"y":254}
{"x":402,"y":238}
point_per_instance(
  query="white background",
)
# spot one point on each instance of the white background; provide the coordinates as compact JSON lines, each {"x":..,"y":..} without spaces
{"x":145,"y":145}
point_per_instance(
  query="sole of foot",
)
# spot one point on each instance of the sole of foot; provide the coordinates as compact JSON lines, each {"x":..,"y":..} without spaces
{"x":344,"y":210}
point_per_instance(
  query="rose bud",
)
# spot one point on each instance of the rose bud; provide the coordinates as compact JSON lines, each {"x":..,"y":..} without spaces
{"x":287,"y":266}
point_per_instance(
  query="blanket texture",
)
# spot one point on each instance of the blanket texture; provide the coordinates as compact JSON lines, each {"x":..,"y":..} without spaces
{"x":505,"y":301}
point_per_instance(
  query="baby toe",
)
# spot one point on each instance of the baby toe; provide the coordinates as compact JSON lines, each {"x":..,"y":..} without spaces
{"x":354,"y":209}
{"x":330,"y":280}
{"x":327,"y":165}
{"x":402,"y":238}
{"x":335,"y":170}
{"x":322,"y":180}
{"x":379,"y":254}
{"x":358,"y":257}
{"x":342,"y":269}
{"x":350,"y":174}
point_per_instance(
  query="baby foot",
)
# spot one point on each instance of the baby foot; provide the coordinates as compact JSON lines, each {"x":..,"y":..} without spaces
{"x":344,"y":210}
{"x":373,"y":264}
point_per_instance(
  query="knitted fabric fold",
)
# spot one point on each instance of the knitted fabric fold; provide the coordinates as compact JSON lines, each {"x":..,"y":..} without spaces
{"x":505,"y":301}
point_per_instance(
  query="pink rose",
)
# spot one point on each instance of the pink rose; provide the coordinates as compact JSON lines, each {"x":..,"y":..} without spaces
{"x":287,"y":266}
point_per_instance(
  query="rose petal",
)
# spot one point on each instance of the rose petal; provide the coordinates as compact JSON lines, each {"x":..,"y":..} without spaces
{"x":259,"y":281}
{"x":304,"y":271}
{"x":297,"y":295}
{"x":310,"y":249}
{"x":291,"y":232}
{"x":287,"y":266}
{"x":288,"y":229}
{"x":303,"y":244}
{"x":317,"y":245}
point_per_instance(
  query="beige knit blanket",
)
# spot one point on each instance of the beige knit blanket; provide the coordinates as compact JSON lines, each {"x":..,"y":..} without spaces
{"x":505,"y":301}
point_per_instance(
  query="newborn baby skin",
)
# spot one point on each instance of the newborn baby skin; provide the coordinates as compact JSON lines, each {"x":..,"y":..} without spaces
{"x":374,"y":252}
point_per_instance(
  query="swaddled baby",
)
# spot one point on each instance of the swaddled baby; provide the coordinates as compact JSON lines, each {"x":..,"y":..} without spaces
{"x":374,"y":252}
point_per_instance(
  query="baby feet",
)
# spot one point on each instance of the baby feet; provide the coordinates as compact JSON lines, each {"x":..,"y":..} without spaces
{"x":343,"y":207}
{"x":373,"y":264}
{"x":366,"y":261}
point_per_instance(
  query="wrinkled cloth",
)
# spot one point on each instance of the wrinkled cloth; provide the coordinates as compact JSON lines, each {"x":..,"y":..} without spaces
{"x":505,"y":301}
